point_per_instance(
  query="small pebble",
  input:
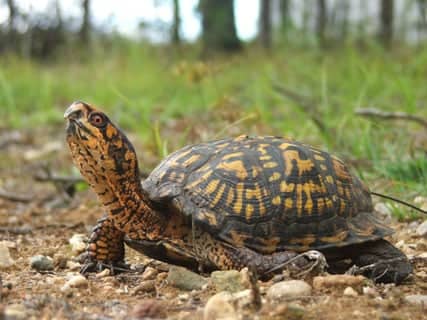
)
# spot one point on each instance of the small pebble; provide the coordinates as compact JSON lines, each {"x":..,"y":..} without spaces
{"x":15,"y":312}
{"x":41,"y":263}
{"x":422,"y":229}
{"x":350,"y":292}
{"x":229,"y":280}
{"x":104,"y":273}
{"x":219,"y":306}
{"x":77,"y":281}
{"x":418,"y":299}
{"x":370,"y":292}
{"x":74,"y":266}
{"x":337,"y":280}
{"x":147,"y":286}
{"x":78,"y":243}
{"x":289,"y":289}
{"x":384,"y":210}
{"x":185,"y":279}
{"x":149,"y":273}
{"x":149,"y":309}
{"x":6,"y":260}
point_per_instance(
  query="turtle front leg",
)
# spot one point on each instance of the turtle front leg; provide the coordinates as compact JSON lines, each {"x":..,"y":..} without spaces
{"x":105,"y":249}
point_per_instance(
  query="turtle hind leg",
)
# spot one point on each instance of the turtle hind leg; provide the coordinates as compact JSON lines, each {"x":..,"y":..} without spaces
{"x":225,"y":256}
{"x":379,"y":260}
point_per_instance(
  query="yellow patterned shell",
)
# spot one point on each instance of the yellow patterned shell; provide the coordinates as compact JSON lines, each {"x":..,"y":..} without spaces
{"x":266,"y":193}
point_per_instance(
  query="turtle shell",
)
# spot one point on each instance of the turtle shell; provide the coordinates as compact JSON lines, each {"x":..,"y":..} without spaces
{"x":266,"y":193}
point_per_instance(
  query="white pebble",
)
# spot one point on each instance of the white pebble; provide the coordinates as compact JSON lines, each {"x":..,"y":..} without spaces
{"x":77,"y":281}
{"x":78,"y":243}
{"x":220,"y":307}
{"x":350,"y":292}
{"x":289,"y":289}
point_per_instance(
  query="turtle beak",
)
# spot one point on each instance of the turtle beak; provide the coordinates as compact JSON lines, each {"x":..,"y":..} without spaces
{"x":75,"y":111}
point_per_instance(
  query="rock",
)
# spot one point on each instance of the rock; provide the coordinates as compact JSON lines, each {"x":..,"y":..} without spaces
{"x":74,"y":266}
{"x":15,"y":312}
{"x":422,"y":229}
{"x":184,"y":279}
{"x":6,"y":260}
{"x":350,"y":292}
{"x":230,"y":280}
{"x":288,"y":311}
{"x":370,"y":292}
{"x":384,"y":211}
{"x":104,"y":273}
{"x":149,"y":309}
{"x":78,"y":243}
{"x":149,"y":274}
{"x":419,"y":299}
{"x":337,"y":280}
{"x":147,"y":286}
{"x":41,"y":263}
{"x":219,"y":306}
{"x":289,"y":289}
{"x":77,"y":281}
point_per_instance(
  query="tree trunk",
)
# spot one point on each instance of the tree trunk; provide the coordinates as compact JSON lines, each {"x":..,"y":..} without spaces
{"x":386,"y":22}
{"x":265,"y":36}
{"x":321,"y":21}
{"x":218,"y":26}
{"x":86,"y":23}
{"x":176,"y":26}
{"x":285,"y":15}
{"x":12,"y":14}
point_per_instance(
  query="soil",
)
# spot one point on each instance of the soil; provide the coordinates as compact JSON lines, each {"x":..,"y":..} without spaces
{"x":45,"y":215}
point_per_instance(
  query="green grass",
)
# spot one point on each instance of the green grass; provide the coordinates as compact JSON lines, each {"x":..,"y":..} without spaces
{"x":169,"y":98}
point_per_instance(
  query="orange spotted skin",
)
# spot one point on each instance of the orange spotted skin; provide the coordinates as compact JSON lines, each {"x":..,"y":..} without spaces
{"x":267,"y":193}
{"x":224,"y":204}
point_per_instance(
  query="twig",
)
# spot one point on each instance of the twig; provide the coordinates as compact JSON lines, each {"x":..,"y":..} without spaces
{"x":57,"y":179}
{"x":307,"y":105}
{"x":377,"y":113}
{"x":15,"y":197}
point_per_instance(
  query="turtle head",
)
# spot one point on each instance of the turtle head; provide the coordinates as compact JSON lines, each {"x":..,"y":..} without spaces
{"x":102,"y":152}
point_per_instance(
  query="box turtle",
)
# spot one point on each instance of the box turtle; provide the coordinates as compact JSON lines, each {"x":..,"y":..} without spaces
{"x":227,"y":204}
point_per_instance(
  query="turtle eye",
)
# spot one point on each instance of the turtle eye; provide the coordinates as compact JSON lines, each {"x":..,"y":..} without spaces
{"x":97,"y":119}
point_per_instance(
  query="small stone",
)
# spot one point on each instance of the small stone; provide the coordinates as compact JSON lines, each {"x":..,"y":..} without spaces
{"x":15,"y":312}
{"x":149,"y":309}
{"x":149,"y":274}
{"x":78,"y":243}
{"x":74,"y":266}
{"x":419,"y":299}
{"x":77,"y":281}
{"x":184,"y":279}
{"x":350,"y":292}
{"x":104,"y":273}
{"x":369,"y":291}
{"x":147,"y":286}
{"x":6,"y":260}
{"x":41,"y":263}
{"x":289,"y":289}
{"x":422,"y":229}
{"x":219,"y":307}
{"x":230,"y":280}
{"x":337,"y":280}
{"x":384,"y":210}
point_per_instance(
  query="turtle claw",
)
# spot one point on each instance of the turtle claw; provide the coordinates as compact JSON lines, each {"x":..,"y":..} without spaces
{"x":92,"y":265}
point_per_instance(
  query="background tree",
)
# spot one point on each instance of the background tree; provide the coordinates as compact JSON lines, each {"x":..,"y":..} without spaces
{"x":85,"y":28}
{"x":386,"y":22}
{"x":176,"y":24}
{"x":218,"y":26}
{"x":321,"y":21}
{"x":285,"y":15}
{"x":265,"y":24}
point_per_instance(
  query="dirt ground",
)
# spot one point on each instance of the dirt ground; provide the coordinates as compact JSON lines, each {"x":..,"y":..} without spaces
{"x":39,"y":218}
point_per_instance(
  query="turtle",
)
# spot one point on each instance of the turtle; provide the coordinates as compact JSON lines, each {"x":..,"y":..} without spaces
{"x":247,"y":201}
